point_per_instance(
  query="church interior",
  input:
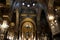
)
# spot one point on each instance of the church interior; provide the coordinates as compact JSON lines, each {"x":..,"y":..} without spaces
{"x":29,"y":19}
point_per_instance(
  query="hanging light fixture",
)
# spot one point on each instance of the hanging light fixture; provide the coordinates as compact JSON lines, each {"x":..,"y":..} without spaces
{"x":29,"y":39}
{"x":10,"y":37}
{"x":56,"y":9}
{"x":51,"y":17}
{"x":23,"y":4}
{"x":4,"y":24}
{"x":20,"y":38}
{"x":34,"y":38}
{"x":33,"y":4}
{"x":28,"y":5}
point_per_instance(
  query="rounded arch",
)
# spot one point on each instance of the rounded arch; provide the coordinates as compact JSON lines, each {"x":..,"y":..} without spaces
{"x":27,"y":28}
{"x":28,"y":20}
